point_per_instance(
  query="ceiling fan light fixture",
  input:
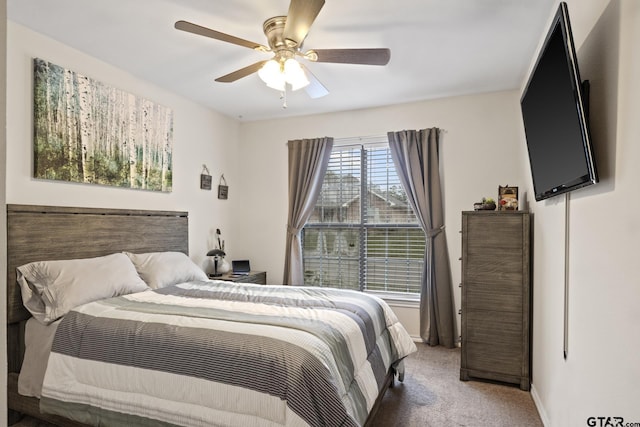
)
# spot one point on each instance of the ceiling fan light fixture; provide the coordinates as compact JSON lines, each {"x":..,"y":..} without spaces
{"x":271,"y":74}
{"x":277,"y":74}
{"x":294,"y":74}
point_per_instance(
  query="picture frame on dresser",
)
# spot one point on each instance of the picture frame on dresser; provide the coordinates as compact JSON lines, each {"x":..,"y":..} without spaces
{"x":507,"y":198}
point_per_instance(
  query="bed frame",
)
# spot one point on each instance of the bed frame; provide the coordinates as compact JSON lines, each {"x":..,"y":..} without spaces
{"x":36,"y":233}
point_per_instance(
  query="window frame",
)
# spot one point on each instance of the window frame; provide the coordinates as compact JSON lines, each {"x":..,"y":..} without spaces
{"x":364,"y":225}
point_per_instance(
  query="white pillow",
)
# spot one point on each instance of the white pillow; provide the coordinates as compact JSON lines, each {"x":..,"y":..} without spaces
{"x":50,"y":289}
{"x":160,"y":269}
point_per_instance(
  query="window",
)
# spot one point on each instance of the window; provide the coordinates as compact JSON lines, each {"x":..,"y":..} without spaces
{"x":363,"y":233}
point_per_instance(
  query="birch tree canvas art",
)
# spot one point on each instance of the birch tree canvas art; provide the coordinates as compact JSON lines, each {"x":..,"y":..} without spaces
{"x":88,"y":132}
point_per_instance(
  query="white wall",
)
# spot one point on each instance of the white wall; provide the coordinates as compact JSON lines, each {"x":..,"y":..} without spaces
{"x":201,"y":136}
{"x":3,"y":213}
{"x":601,"y":376}
{"x":480,"y":150}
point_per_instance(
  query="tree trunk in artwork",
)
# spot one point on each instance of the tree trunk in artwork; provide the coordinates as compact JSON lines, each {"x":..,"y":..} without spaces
{"x":84,"y":93}
{"x":48,"y":107}
{"x":121,"y":141}
{"x":69,"y":127}
{"x":146,"y":142}
{"x":167,"y":137}
{"x":131,"y":134}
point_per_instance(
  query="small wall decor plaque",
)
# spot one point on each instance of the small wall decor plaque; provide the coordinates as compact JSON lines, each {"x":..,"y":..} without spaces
{"x":507,"y":198}
{"x":205,"y":178}
{"x":223,"y":190}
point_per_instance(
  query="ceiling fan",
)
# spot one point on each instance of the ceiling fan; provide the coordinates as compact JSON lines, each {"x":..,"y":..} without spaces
{"x":286,"y":35}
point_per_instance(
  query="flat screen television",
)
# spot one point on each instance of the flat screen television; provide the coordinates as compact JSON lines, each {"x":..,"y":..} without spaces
{"x":555,"y":113}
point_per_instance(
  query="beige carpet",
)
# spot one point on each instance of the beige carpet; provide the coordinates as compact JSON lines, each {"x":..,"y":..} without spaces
{"x":433,"y":395}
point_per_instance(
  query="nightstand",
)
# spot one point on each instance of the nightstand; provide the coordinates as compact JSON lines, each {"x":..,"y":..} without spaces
{"x":258,"y":277}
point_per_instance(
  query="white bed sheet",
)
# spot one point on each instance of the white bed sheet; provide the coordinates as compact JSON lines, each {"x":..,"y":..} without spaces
{"x":38,"y":341}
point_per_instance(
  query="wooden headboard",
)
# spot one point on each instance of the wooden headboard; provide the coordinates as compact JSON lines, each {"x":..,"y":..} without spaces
{"x":37,"y":233}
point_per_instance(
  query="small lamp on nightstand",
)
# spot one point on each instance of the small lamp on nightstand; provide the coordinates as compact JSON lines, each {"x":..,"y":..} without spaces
{"x":216,"y":254}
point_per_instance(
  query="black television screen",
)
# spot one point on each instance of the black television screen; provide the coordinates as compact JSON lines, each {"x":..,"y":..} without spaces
{"x":555,"y":120}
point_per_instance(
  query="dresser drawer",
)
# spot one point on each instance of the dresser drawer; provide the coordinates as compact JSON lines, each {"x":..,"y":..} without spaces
{"x":494,"y":296}
{"x":493,"y":327}
{"x":496,"y":358}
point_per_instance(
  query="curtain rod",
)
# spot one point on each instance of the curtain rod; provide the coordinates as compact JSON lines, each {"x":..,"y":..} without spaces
{"x":370,"y":138}
{"x":338,"y":141}
{"x":360,"y":139}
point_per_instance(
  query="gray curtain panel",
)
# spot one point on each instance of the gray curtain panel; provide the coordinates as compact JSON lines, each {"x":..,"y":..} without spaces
{"x":416,"y":157}
{"x":308,"y":160}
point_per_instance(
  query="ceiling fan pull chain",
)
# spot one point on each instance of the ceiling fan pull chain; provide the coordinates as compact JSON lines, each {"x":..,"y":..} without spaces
{"x":283,"y":96}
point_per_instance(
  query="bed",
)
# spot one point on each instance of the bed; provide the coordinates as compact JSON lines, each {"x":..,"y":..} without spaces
{"x":239,"y":354}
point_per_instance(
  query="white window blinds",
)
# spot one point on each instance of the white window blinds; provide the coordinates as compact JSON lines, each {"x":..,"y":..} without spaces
{"x":363,"y":233}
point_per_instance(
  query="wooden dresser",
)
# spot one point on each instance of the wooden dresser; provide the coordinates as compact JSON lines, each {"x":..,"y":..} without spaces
{"x":496,"y":297}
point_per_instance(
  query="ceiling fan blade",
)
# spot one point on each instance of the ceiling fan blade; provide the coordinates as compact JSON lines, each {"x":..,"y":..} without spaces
{"x":350,"y":56}
{"x":314,"y":89}
{"x":301,"y":15}
{"x":242,"y":72}
{"x":207,"y":32}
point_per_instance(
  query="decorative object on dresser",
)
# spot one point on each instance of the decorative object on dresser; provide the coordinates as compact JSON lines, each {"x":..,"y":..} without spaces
{"x":258,"y":277}
{"x":487,"y":204}
{"x":507,"y":198}
{"x":496,"y":297}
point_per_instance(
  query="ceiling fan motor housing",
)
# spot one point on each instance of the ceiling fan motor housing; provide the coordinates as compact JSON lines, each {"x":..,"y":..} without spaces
{"x":274,"y":29}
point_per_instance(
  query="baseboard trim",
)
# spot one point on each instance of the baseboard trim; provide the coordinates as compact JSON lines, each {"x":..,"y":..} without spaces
{"x":539,"y":406}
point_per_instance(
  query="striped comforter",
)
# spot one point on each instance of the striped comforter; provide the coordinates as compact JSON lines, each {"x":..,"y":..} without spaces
{"x":220,"y":353}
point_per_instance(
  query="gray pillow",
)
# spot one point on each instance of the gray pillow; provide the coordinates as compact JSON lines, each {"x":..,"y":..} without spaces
{"x":160,"y":269}
{"x":50,"y":289}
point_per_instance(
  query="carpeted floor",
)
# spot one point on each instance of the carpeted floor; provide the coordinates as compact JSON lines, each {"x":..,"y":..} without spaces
{"x":432,"y":395}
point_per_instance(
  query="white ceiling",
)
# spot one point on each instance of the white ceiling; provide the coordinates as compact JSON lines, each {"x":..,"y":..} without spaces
{"x":439,"y":48}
